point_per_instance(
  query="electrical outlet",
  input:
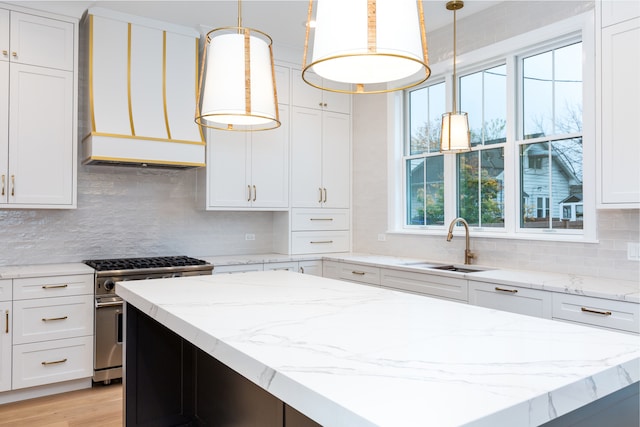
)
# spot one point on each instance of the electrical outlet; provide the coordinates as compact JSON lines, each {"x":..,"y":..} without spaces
{"x":249,"y":236}
{"x":633,"y":251}
{"x":382,"y":237}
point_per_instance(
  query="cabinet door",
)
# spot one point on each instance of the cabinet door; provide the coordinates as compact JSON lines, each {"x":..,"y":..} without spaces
{"x":4,"y":35}
{"x":306,"y":157}
{"x":227,"y":170}
{"x":41,"y":41}
{"x":313,"y":268}
{"x":531,"y":302}
{"x":620,"y":176}
{"x":4,"y":131}
{"x":270,"y":165}
{"x":5,"y":345}
{"x":41,"y":135}
{"x":336,"y":159}
{"x":305,"y":95}
{"x":618,"y":11}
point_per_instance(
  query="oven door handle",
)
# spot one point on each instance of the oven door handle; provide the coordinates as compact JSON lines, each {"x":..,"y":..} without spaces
{"x":109,"y":304}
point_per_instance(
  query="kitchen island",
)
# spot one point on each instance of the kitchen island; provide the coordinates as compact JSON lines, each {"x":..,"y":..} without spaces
{"x":315,"y":350}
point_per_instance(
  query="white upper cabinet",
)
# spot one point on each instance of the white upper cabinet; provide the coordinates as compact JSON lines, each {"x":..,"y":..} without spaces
{"x":41,"y":41}
{"x":619,"y":109}
{"x":4,"y":35}
{"x":249,"y":169}
{"x":320,"y":154}
{"x":305,"y":95}
{"x":38,"y":117}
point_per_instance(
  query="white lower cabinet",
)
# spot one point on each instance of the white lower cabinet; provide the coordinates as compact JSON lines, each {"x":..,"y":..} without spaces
{"x":603,"y":313}
{"x":432,"y":285}
{"x":47,"y":337}
{"x":312,"y":267}
{"x":5,"y":344}
{"x":514,"y":299}
{"x":237,"y":268}
{"x":48,"y":362}
{"x":351,"y":272}
{"x":283,"y":266}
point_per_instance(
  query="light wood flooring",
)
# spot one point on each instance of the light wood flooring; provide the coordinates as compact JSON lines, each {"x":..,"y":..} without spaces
{"x":100,"y":406}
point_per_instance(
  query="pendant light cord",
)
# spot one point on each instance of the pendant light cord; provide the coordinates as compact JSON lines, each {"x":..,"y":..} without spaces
{"x":239,"y":14}
{"x":455,"y":83}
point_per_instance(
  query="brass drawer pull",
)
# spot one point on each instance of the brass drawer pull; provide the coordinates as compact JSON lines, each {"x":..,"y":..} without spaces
{"x":320,"y":189}
{"x":54,"y":286}
{"x":14,"y":54}
{"x":55,"y":362}
{"x":603,"y":313}
{"x":511,"y":291}
{"x":358,"y":273}
{"x":320,"y":219}
{"x":249,"y":192}
{"x":324,"y":198}
{"x":51,"y":319}
{"x":4,"y":52}
{"x":6,"y":318}
{"x":255,"y":193}
{"x":321,"y":241}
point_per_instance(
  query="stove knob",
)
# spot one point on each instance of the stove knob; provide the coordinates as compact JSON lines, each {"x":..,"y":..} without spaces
{"x":109,"y":285}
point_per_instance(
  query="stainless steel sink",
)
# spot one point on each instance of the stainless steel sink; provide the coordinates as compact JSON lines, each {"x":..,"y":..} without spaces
{"x":459,"y":269}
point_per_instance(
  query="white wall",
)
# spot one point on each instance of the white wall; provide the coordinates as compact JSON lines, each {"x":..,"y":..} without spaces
{"x":608,"y":258}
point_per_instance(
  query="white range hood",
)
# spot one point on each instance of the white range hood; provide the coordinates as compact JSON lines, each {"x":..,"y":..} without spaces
{"x":142,"y":87}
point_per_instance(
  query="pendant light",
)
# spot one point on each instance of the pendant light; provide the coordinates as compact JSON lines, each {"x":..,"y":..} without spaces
{"x":237,"y":88}
{"x":455,"y":136}
{"x":366,"y":46}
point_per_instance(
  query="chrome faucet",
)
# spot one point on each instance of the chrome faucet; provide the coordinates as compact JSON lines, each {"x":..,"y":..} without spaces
{"x":468,"y":255}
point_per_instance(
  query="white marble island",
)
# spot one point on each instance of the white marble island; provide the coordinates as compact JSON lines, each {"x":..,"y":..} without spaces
{"x":352,"y":355}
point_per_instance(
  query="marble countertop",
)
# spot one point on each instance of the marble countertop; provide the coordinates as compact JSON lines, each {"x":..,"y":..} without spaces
{"x":42,"y":270}
{"x":615,"y":289}
{"x":355,"y":355}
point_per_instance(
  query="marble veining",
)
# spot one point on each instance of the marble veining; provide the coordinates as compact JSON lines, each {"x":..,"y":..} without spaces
{"x":354,"y":355}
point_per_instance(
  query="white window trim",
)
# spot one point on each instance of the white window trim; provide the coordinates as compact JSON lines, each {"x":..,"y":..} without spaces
{"x":584,"y":24}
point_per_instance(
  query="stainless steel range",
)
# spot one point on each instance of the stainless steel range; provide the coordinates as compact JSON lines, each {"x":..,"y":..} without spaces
{"x":107,"y":359}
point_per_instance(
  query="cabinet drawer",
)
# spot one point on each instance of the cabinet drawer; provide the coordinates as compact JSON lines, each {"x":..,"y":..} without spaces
{"x":319,"y":219}
{"x":317,"y":242}
{"x":359,"y":273}
{"x":288,"y":266}
{"x":604,"y":313}
{"x":531,"y":302}
{"x":57,"y":286}
{"x":6,"y":290}
{"x":426,"y":284}
{"x":52,"y":361}
{"x":238,"y":268}
{"x":52,"y":318}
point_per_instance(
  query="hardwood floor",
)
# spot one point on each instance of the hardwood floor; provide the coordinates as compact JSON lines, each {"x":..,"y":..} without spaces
{"x":100,"y":406}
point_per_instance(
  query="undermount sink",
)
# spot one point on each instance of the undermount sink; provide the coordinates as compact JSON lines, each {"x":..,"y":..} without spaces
{"x":445,"y":267}
{"x":458,"y":269}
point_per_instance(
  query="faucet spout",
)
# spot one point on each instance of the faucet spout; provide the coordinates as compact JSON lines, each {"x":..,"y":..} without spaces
{"x":468,"y":255}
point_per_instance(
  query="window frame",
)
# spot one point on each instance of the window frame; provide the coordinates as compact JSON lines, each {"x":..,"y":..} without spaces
{"x":561,"y":33}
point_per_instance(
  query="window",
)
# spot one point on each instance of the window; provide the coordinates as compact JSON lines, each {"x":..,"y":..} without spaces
{"x":424,"y":165}
{"x":524,"y":174}
{"x":550,"y":147}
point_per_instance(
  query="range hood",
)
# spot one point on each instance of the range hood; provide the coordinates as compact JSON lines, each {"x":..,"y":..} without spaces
{"x":142,"y":92}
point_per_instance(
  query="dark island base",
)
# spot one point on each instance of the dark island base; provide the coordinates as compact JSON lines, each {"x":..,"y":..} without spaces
{"x":170,"y":382}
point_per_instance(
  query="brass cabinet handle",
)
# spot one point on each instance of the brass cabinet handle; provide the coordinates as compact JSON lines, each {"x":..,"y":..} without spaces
{"x":301,"y":269}
{"x":249,"y":192}
{"x":255,"y":193}
{"x":3,"y":185}
{"x":51,"y":319}
{"x":512,"y":291}
{"x":13,"y":185}
{"x":6,"y":319}
{"x":320,"y":189}
{"x":320,"y":219}
{"x":4,"y":52}
{"x":324,"y":200}
{"x":588,"y":310}
{"x":54,"y":286}
{"x":358,"y":273}
{"x":14,"y":54}
{"x":55,"y":362}
{"x":321,"y":241}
